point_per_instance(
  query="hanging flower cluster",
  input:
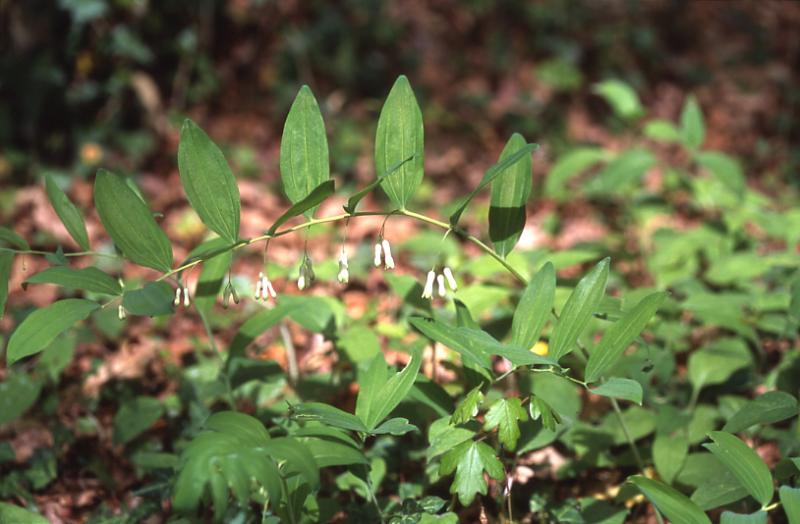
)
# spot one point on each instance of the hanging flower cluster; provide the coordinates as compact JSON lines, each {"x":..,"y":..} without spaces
{"x":383,"y":254}
{"x":439,"y":280}
{"x":264,"y":289}
{"x":307,"y":275}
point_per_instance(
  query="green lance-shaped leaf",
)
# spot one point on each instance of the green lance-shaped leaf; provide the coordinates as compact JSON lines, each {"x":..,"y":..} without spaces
{"x":6,"y":261}
{"x":744,"y":463}
{"x":353,"y":201}
{"x":69,"y":214}
{"x":505,"y":415}
{"x":400,"y":135}
{"x":469,"y":460}
{"x":42,"y":326}
{"x":130,"y":223}
{"x":728,"y":517}
{"x":693,"y":130}
{"x":86,"y":279}
{"x":675,"y":505}
{"x":304,"y":149}
{"x":492,"y":173}
{"x":621,"y":97}
{"x":510,"y":191}
{"x":620,"y":335}
{"x":315,"y":198}
{"x":209,"y":182}
{"x":790,"y":500}
{"x":380,"y":392}
{"x":578,"y":310}
{"x":534,"y":308}
{"x":11,"y":238}
{"x":768,"y":408}
{"x":327,"y":414}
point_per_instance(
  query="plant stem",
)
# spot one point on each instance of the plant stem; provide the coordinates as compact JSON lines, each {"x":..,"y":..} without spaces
{"x":627,"y":434}
{"x":225,"y":378}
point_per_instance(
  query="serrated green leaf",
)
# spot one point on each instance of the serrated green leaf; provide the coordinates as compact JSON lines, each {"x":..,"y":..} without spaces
{"x":669,"y":455}
{"x":86,"y":279}
{"x":446,"y":440}
{"x":135,"y":417}
{"x":675,"y":505}
{"x":505,"y":415}
{"x":208,"y":181}
{"x":728,"y":517}
{"x":534,"y":308}
{"x":7,"y":236}
{"x":693,"y":129}
{"x":768,"y":408}
{"x":400,"y":135}
{"x":329,"y":415}
{"x":304,"y":149}
{"x":619,"y":336}
{"x":381,"y":392}
{"x":621,"y":97}
{"x":493,"y":172}
{"x":469,"y":460}
{"x":39,"y":328}
{"x":6,"y":262}
{"x":152,"y":300}
{"x":578,"y":310}
{"x":69,"y":214}
{"x":622,"y":388}
{"x":510,"y":192}
{"x":467,"y":409}
{"x":539,"y":408}
{"x":311,"y":201}
{"x":130,"y":223}
{"x":790,"y":500}
{"x":744,"y":463}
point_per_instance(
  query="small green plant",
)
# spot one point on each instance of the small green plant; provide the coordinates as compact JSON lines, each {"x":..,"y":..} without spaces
{"x":519,"y":379}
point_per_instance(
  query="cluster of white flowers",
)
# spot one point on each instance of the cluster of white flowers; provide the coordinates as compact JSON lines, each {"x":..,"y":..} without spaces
{"x":445,"y":276}
{"x":186,"y":299}
{"x":383,"y":254}
{"x":264,"y":289}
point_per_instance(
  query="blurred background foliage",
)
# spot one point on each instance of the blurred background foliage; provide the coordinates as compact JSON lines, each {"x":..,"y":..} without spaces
{"x":84,"y":82}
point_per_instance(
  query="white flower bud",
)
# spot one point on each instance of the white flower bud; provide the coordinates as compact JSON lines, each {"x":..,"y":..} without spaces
{"x":343,"y":259}
{"x":451,"y":281}
{"x":344,"y":276}
{"x":257,"y":294}
{"x":177,"y":301}
{"x":387,"y":255}
{"x":121,"y":312}
{"x":264,"y":287}
{"x":271,"y":290}
{"x":301,"y":281}
{"x":440,"y":282}
{"x":186,"y":300}
{"x":378,"y":257}
{"x":428,"y":291}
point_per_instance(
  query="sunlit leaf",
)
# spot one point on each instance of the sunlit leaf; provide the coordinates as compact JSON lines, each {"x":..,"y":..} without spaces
{"x":510,"y":192}
{"x":744,"y":463}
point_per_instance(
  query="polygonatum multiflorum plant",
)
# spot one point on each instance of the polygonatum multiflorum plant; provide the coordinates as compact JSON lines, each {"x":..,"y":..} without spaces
{"x":512,"y":389}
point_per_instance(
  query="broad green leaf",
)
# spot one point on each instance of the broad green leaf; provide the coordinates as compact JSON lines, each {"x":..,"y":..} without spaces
{"x":353,"y":201}
{"x":327,"y":414}
{"x":662,"y":131}
{"x":534,"y":308}
{"x":619,"y":336}
{"x":510,"y":192}
{"x":381,"y":391}
{"x":569,"y":166}
{"x":135,"y":417}
{"x":331,"y":447}
{"x":675,"y":505}
{"x":621,"y":97}
{"x":7,"y":236}
{"x":768,"y":408}
{"x":130,"y":223}
{"x":578,"y":310}
{"x":12,"y":514}
{"x":729,"y":517}
{"x":69,"y":214}
{"x":469,"y":460}
{"x":399,"y":136}
{"x":360,"y":343}
{"x":311,"y":201}
{"x":448,"y":438}
{"x":39,"y":328}
{"x":718,"y":491}
{"x":505,"y":415}
{"x":304,"y":149}
{"x":716,"y":363}
{"x":623,"y":388}
{"x":669,"y":455}
{"x":744,"y":463}
{"x":86,"y":279}
{"x":208,"y":181}
{"x":152,"y":300}
{"x":467,"y":409}
{"x":693,"y":129}
{"x":493,"y":172}
{"x":454,"y":339}
{"x":725,"y":168}
{"x":18,"y":392}
{"x":790,"y":499}
{"x":211,"y":280}
{"x":6,"y":262}
{"x":622,"y":173}
{"x":295,"y":457}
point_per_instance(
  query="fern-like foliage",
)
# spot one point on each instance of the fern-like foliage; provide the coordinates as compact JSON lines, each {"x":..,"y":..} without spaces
{"x":234,"y":454}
